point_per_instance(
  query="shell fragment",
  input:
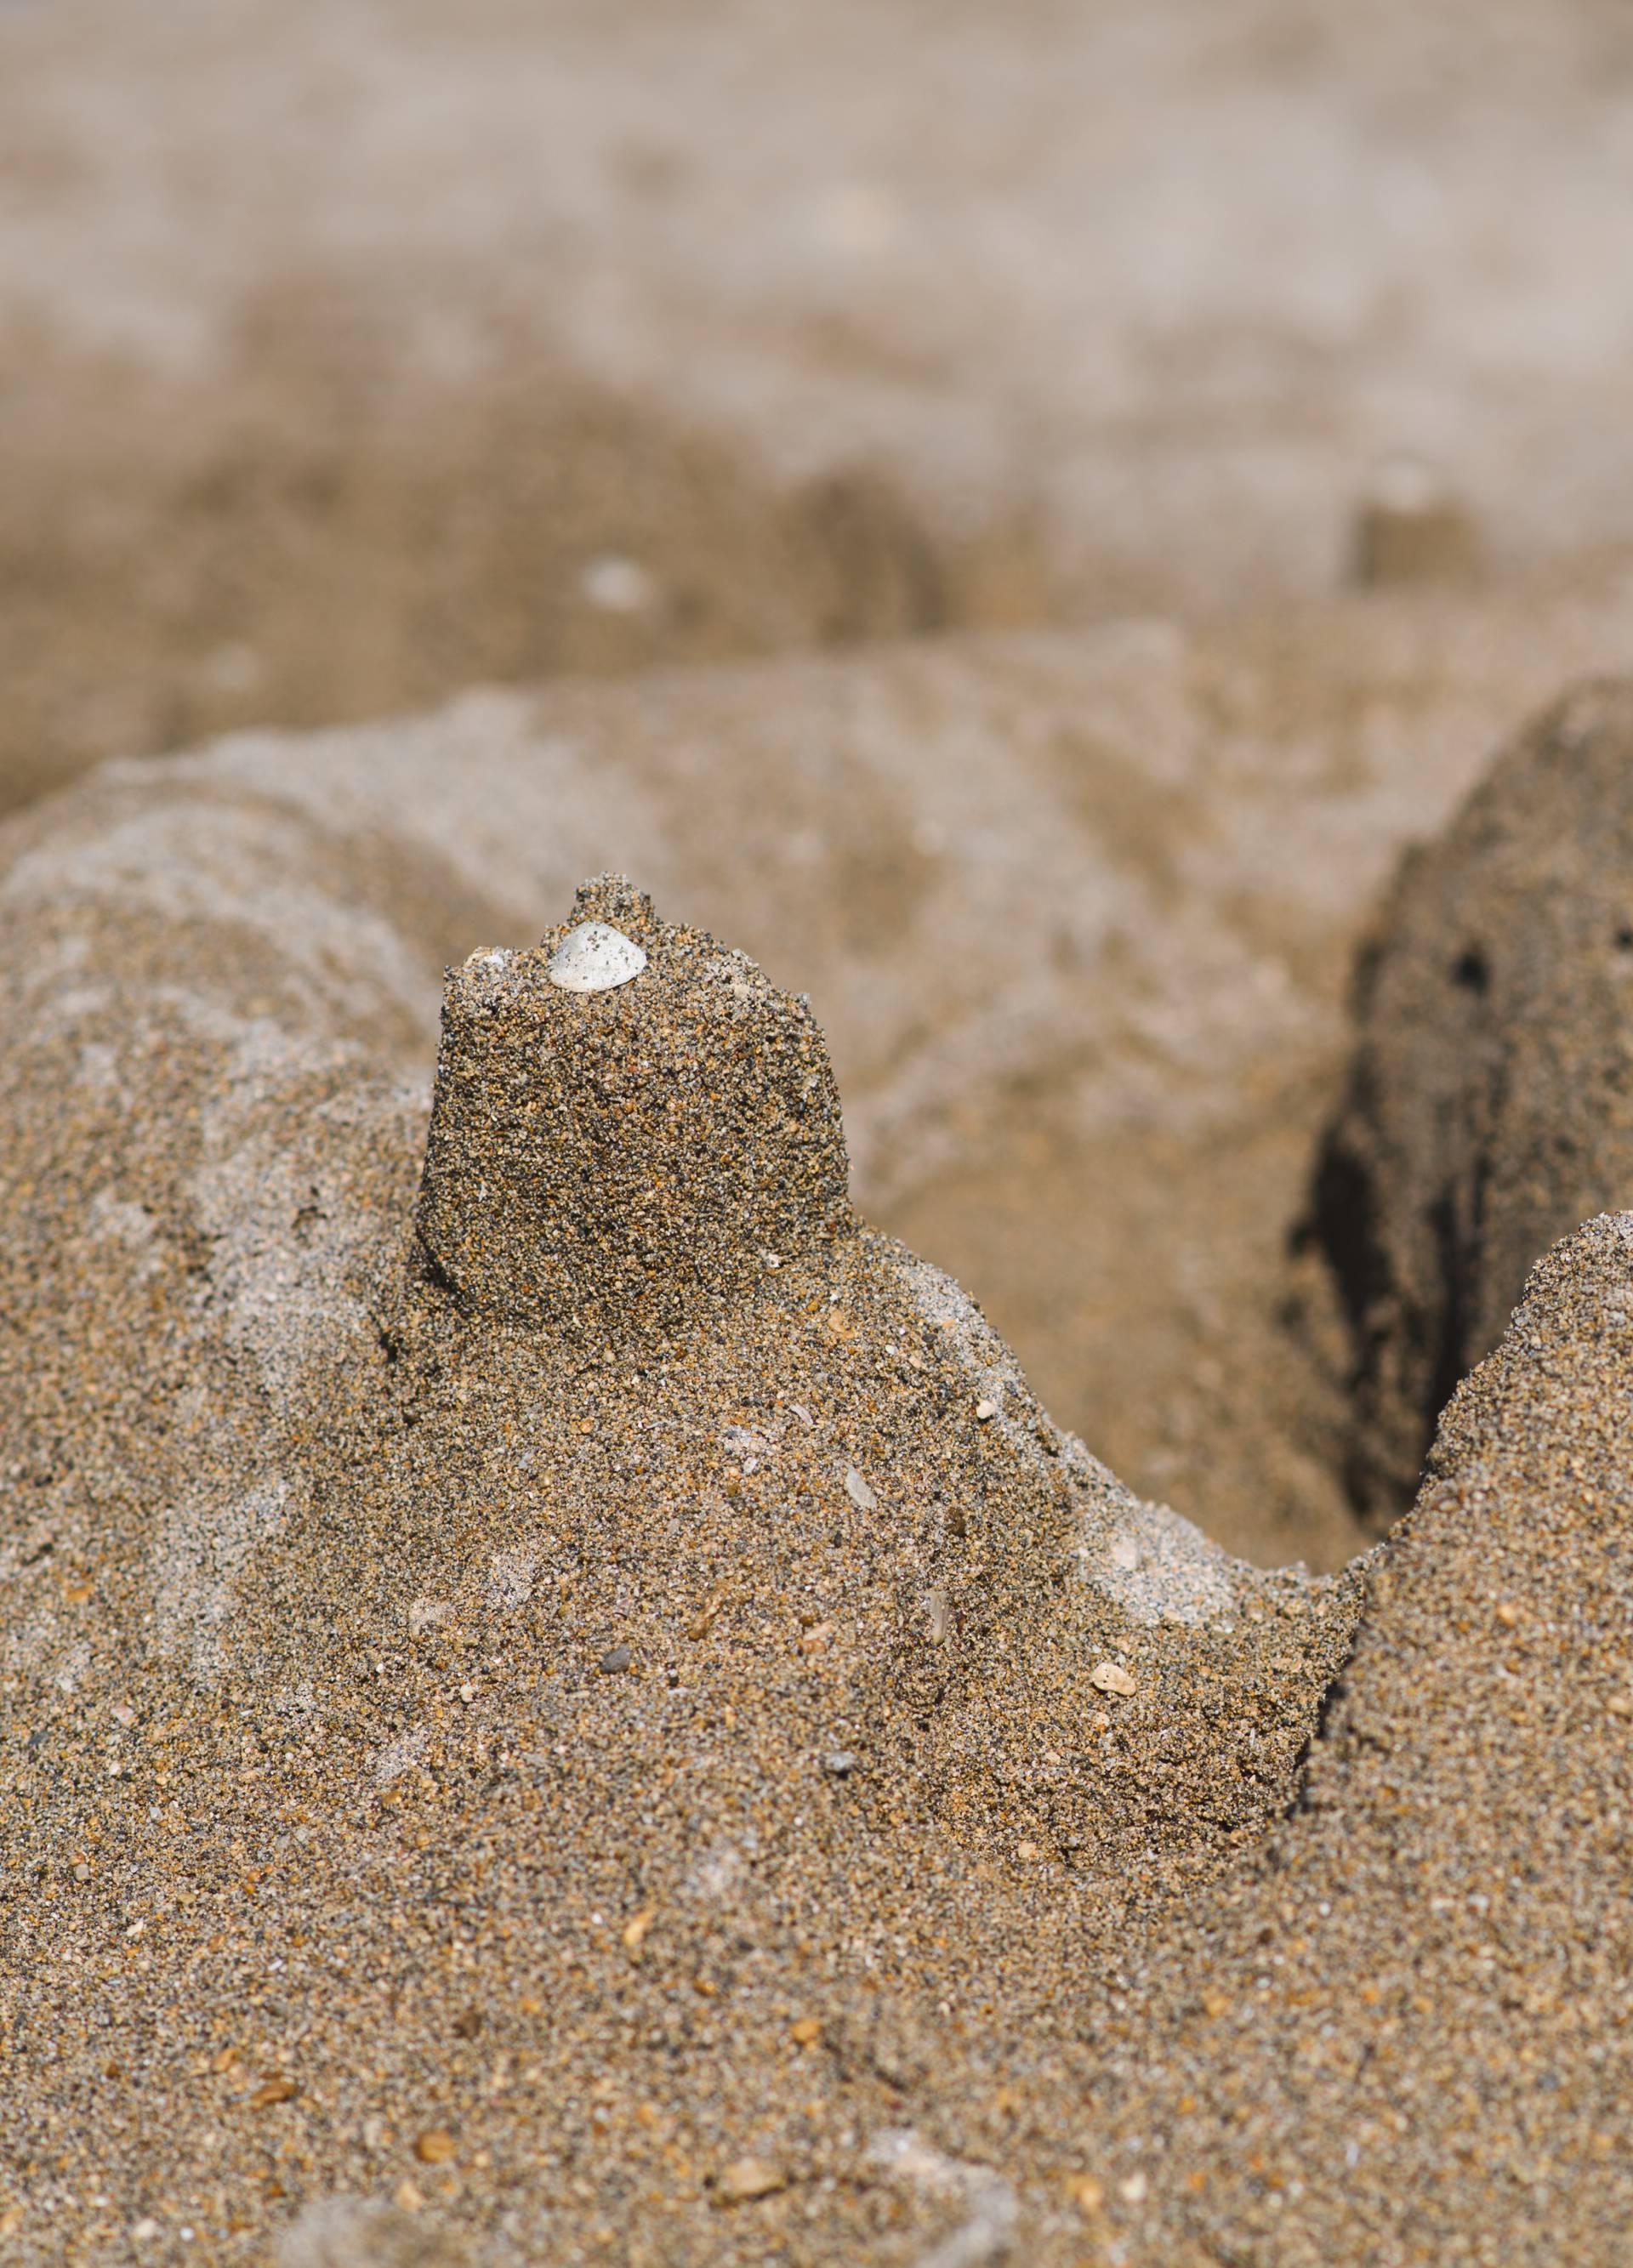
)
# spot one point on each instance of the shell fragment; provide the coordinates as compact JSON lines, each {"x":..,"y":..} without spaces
{"x":594,"y":958}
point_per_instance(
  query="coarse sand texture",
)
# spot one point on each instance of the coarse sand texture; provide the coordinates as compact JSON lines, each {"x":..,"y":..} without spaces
{"x":1490,"y":1100}
{"x":564,"y":1701}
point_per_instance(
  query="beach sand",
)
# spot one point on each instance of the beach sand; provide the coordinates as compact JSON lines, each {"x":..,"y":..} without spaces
{"x":563,"y":1697}
{"x":1487,"y":1109}
{"x":351,"y":356}
{"x":735,"y":1785}
{"x":572,"y":1626}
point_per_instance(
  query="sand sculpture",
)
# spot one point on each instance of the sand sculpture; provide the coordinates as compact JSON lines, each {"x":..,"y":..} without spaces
{"x":568,"y":1704}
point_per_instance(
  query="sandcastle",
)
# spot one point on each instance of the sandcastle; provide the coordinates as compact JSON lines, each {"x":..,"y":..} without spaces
{"x":568,"y":1702}
{"x":616,"y":1516}
{"x":627,"y":1123}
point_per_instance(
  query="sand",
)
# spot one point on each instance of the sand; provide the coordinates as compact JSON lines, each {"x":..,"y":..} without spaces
{"x":562,"y":1697}
{"x":1076,"y":912}
{"x":1487,"y":1106}
{"x":724,"y":1779}
{"x":529,"y":1657}
{"x":352,"y":355}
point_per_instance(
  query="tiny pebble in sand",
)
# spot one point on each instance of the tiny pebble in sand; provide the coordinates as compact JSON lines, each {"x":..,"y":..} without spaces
{"x":748,"y":2179}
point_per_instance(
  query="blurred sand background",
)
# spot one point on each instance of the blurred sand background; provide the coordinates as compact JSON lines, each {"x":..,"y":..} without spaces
{"x":351,"y":357}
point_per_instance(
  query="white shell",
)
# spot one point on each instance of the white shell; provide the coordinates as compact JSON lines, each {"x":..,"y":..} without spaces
{"x":595,"y":959}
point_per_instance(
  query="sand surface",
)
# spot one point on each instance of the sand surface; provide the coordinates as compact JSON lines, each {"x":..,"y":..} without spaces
{"x":608,"y":1778}
{"x":349,"y":355}
{"x":1076,"y":911}
{"x":563,"y":1697}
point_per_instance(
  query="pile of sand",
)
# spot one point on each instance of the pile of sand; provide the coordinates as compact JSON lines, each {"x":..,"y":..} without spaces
{"x":554,"y":1644}
{"x":1075,"y":911}
{"x":562,"y":1698}
{"x":544,"y":1725}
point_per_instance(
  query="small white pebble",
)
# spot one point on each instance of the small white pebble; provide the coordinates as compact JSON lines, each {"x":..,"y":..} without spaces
{"x":859,"y":1492}
{"x":617,"y":585}
{"x":984,"y":1410}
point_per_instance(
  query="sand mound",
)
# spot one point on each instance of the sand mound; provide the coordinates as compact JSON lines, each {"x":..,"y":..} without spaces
{"x":1076,"y":912}
{"x":1489,"y":1104}
{"x":501,"y":1774}
{"x":490,"y":1664}
{"x":1403,"y":2031}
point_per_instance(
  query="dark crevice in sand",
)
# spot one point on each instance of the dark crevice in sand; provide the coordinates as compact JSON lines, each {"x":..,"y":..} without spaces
{"x":1487,"y":1108}
{"x":1331,"y":1698}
